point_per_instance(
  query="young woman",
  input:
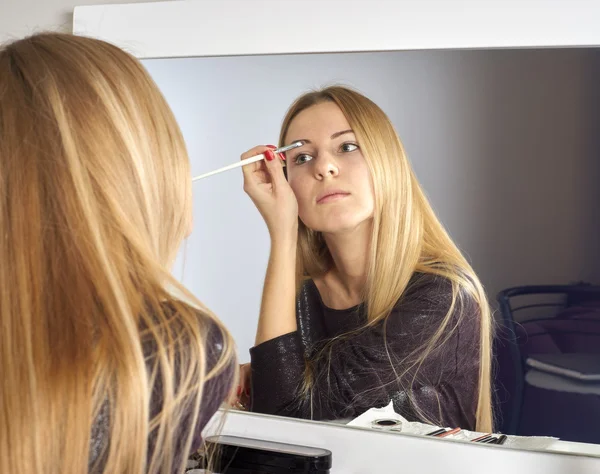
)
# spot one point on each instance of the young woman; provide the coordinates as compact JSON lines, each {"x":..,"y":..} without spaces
{"x":366,"y":297}
{"x":108,"y":364}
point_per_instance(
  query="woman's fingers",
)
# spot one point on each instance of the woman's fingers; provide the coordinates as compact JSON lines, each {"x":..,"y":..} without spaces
{"x":240,"y":398}
{"x":268,"y":188}
{"x":256,"y":174}
{"x":274,"y":167}
{"x":257,"y":150}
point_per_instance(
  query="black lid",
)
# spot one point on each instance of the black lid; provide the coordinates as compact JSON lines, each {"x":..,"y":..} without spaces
{"x":246,"y":453}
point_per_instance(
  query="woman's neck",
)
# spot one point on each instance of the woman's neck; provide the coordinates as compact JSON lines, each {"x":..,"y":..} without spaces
{"x":343,"y":286}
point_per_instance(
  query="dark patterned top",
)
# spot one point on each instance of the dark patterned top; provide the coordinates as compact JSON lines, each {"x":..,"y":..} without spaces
{"x":375,"y":365}
{"x":215,"y":392}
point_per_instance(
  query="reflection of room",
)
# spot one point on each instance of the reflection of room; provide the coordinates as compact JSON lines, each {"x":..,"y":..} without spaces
{"x":503,"y":141}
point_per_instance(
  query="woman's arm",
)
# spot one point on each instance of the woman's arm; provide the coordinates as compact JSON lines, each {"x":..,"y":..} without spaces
{"x":268,"y":188}
{"x":266,"y":185}
{"x":277,"y":309}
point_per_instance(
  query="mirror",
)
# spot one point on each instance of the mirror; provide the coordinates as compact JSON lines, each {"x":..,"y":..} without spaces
{"x":504,"y":142}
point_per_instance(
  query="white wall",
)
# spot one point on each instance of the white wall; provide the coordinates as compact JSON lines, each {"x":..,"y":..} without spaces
{"x":504,"y":143}
{"x":23,"y":17}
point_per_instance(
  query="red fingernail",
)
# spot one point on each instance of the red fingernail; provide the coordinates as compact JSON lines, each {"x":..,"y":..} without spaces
{"x":282,"y":156}
{"x":272,"y":146}
{"x":239,"y":391}
{"x":269,"y":155}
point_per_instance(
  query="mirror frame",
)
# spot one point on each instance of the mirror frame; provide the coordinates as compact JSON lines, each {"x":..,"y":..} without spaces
{"x":178,"y":28}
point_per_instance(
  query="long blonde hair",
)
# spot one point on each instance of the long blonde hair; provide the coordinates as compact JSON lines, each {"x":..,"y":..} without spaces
{"x":407,"y":236}
{"x":95,"y":203}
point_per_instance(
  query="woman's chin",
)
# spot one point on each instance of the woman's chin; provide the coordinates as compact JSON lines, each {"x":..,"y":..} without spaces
{"x":343,"y":226}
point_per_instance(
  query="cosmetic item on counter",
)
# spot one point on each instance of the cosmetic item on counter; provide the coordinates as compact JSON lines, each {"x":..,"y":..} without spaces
{"x":437,"y":432}
{"x":483,"y":439}
{"x":448,"y":433}
{"x":236,"y":455}
{"x":490,"y":440}
{"x":388,"y":424}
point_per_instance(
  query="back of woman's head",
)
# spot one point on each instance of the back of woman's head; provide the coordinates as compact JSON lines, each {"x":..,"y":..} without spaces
{"x":95,"y":202}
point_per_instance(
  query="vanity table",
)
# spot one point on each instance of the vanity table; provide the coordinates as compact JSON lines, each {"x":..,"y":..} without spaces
{"x":358,"y":450}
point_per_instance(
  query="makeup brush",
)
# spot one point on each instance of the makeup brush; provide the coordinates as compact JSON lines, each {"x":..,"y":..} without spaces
{"x":247,"y":161}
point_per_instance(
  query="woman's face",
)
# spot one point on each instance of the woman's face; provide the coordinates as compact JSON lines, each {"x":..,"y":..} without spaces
{"x":328,"y":174}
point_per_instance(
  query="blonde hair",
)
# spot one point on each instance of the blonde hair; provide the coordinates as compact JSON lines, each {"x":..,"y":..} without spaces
{"x":95,"y":203}
{"x":407,"y":236}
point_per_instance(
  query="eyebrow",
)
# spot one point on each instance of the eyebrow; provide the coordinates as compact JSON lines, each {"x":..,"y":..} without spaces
{"x":334,"y":136}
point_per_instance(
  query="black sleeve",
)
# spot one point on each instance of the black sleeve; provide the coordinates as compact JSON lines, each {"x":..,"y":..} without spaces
{"x":278,"y":368}
{"x":363,"y":372}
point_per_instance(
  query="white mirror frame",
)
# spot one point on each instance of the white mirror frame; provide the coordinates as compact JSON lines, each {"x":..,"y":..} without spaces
{"x":188,"y":28}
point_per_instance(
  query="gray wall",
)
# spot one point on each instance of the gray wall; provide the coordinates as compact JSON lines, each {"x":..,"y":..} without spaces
{"x":503,"y":142}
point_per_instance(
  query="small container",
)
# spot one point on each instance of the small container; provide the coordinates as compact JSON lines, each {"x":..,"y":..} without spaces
{"x":387,"y":424}
{"x":236,"y":455}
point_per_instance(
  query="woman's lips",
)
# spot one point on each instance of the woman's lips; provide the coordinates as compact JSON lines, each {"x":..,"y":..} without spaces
{"x":331,"y":196}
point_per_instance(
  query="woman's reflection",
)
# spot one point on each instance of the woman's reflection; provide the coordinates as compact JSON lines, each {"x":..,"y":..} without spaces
{"x":366,"y":298}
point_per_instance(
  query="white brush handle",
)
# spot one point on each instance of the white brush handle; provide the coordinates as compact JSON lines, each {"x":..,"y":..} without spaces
{"x":252,"y":159}
{"x":247,"y":161}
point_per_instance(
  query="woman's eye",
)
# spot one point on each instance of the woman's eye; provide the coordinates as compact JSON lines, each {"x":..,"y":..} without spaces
{"x":302,"y":158}
{"x":348,"y":147}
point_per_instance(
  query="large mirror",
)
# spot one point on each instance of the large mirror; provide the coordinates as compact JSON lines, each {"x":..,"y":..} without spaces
{"x":502,"y":140}
{"x":504,"y":143}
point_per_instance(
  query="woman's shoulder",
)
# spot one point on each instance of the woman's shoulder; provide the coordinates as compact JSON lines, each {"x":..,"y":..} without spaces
{"x":189,"y":331}
{"x":432,"y":294}
{"x":427,"y":288}
{"x":213,"y":332}
{"x":216,"y":345}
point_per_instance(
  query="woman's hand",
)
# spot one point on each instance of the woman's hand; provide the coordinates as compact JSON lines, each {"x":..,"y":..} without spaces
{"x":272,"y":195}
{"x":241,"y":397}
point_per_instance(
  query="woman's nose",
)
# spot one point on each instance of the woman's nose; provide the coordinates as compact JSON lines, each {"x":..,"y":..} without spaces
{"x":326,"y":166}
